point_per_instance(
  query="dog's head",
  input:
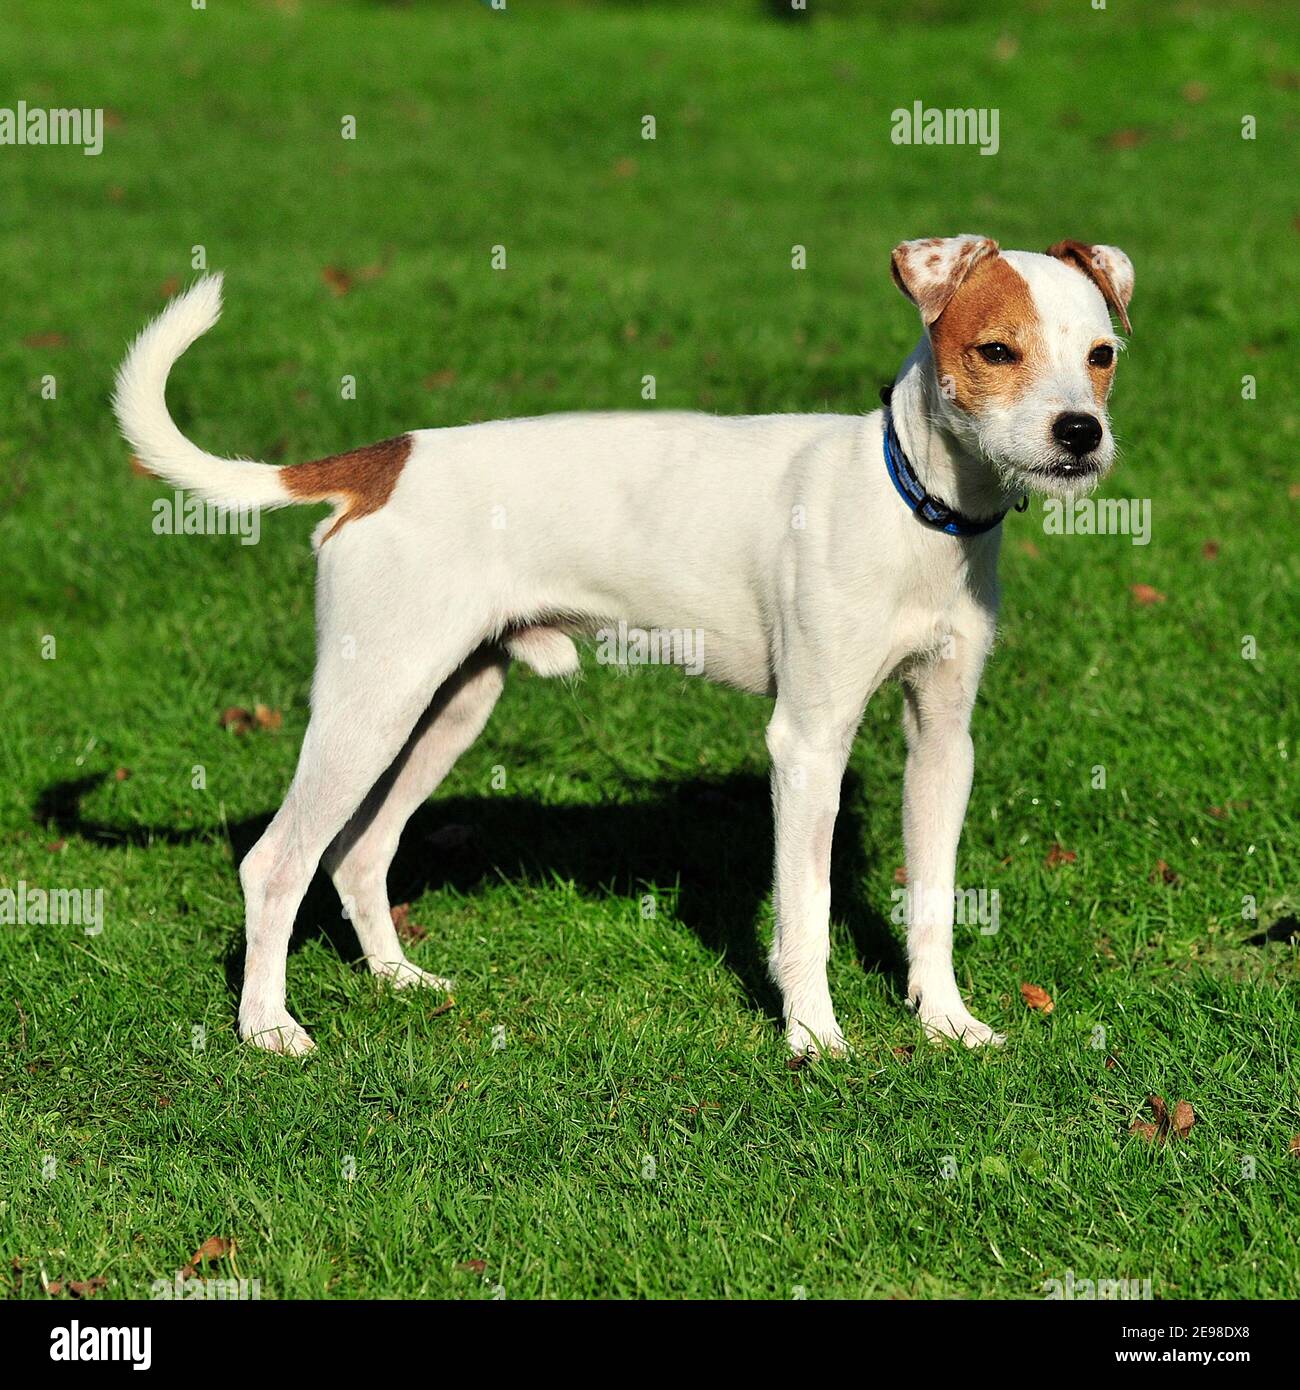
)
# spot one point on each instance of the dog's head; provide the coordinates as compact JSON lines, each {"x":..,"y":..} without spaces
{"x":1023,"y":351}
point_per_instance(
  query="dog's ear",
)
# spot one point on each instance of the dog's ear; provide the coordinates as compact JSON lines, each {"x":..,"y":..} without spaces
{"x":1107,"y":267}
{"x":930,"y":271}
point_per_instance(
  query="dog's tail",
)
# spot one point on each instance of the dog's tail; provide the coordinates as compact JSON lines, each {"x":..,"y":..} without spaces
{"x":140,"y":404}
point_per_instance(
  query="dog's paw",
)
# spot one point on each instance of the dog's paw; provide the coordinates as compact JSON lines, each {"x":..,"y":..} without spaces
{"x":276,"y":1033}
{"x":824,"y":1040}
{"x":958,"y":1023}
{"x":401,"y":974}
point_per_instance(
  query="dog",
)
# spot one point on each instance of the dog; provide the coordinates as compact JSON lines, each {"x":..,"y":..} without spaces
{"x":815,"y":555}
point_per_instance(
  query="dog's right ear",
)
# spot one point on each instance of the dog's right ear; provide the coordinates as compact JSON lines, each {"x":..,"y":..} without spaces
{"x":930,"y":271}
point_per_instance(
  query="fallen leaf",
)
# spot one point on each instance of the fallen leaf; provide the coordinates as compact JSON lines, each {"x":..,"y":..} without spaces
{"x":406,"y":929}
{"x":1127,"y":139}
{"x":45,"y":340}
{"x":904,"y":1054}
{"x":87,"y":1288}
{"x":445,"y":1007}
{"x":1293,"y":1148}
{"x":900,"y":874}
{"x":1112,"y":1062}
{"x":797,"y":1063}
{"x":121,"y":774}
{"x":1162,"y":873}
{"x":338,"y":279}
{"x":439,"y":381}
{"x":1183,"y":1120}
{"x":55,"y":846}
{"x":169,"y":286}
{"x":1210,"y":550}
{"x":1056,"y":855}
{"x":55,"y":1286}
{"x":1037,"y":998}
{"x":1145,"y":595}
{"x":473,"y":1266}
{"x":267,"y":718}
{"x":237,"y":719}
{"x":162,"y":1102}
{"x":214,"y":1248}
{"x":1153,"y":1133}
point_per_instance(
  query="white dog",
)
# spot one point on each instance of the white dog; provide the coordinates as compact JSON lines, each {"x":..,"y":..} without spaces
{"x":816,"y":555}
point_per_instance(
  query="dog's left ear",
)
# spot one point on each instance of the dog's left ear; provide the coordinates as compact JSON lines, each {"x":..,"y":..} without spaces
{"x":1107,"y":267}
{"x":930,"y":271}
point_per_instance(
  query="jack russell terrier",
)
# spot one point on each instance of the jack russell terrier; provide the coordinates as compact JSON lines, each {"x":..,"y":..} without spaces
{"x":815,"y":556}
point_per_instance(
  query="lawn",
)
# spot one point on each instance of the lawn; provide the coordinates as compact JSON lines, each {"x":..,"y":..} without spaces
{"x":607,"y":1109}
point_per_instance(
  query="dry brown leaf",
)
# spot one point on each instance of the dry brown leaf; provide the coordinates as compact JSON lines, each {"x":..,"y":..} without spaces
{"x":45,"y":340}
{"x":1210,"y":550}
{"x":121,"y":774}
{"x":1144,"y":595}
{"x":266,"y":718}
{"x":1184,"y":1118}
{"x":1162,"y":873}
{"x":55,"y":846}
{"x":1153,"y":1133}
{"x":904,"y":1054}
{"x":87,"y":1288}
{"x":900,"y":875}
{"x":439,"y":381}
{"x":473,"y":1266}
{"x":169,"y":286}
{"x":338,"y":279}
{"x":406,"y":929}
{"x":1128,"y":139}
{"x":1037,"y":998}
{"x":1056,"y":855}
{"x":1293,"y":1148}
{"x":214,"y":1248}
{"x":237,"y":719}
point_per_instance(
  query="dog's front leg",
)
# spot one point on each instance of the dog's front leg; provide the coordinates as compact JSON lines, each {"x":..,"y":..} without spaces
{"x":807,"y":767}
{"x":936,"y":786}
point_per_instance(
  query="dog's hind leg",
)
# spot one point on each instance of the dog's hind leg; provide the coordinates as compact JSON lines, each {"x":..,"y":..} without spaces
{"x":375,"y":675}
{"x":359,"y":859}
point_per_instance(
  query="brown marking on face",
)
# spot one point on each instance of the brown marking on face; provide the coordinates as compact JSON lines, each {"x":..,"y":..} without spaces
{"x":360,"y":481}
{"x":992,"y":305}
{"x":1102,"y":378}
{"x":1081,"y":255}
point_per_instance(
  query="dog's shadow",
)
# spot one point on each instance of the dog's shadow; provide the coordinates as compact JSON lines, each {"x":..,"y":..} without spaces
{"x":707,"y":843}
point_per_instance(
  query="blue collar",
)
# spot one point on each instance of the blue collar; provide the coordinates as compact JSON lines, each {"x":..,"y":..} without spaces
{"x":930,"y":510}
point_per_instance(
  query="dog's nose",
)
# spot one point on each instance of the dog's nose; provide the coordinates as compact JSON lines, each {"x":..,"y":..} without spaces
{"x":1080,"y":434}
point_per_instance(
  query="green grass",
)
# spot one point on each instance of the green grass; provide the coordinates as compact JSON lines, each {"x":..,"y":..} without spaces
{"x":631,"y":1038}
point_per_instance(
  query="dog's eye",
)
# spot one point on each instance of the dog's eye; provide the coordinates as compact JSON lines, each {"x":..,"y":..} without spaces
{"x":1101,"y":356}
{"x":996,"y":352}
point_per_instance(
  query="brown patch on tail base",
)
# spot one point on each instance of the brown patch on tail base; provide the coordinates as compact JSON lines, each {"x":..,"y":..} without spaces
{"x":359,"y":482}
